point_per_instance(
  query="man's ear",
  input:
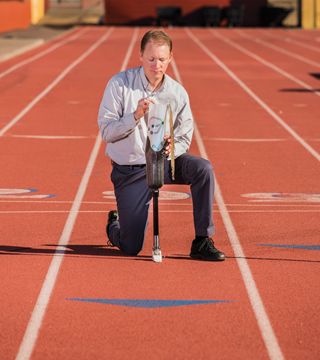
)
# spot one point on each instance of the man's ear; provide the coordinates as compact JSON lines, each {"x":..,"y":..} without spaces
{"x":170,"y":57}
{"x":140,"y":55}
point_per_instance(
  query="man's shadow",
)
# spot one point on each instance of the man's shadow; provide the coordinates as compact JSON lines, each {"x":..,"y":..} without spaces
{"x":78,"y":251}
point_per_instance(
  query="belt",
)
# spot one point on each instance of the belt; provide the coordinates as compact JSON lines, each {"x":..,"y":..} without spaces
{"x":141,"y":166}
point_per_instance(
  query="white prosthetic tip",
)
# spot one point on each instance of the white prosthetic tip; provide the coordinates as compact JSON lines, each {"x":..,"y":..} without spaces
{"x":156,"y":256}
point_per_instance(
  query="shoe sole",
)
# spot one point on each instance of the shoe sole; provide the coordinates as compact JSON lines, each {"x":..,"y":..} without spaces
{"x":201,"y":257}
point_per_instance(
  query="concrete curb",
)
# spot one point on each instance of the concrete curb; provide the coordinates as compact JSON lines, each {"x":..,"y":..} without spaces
{"x":13,"y":47}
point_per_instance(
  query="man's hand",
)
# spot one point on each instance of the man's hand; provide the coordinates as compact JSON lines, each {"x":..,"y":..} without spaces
{"x":142,"y":108}
{"x":167,"y":148}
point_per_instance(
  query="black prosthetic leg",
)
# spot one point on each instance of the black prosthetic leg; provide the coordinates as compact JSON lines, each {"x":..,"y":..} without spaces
{"x":155,"y":161}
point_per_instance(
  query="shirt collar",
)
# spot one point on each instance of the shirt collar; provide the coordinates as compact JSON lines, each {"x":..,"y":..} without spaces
{"x":145,"y":82}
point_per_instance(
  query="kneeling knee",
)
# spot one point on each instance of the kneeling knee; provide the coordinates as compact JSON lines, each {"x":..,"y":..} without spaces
{"x":131,"y":249}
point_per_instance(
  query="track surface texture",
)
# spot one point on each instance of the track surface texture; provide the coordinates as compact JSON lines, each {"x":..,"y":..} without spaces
{"x":254,"y":95}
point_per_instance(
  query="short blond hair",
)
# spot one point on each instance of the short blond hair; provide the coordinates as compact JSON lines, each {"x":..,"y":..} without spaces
{"x":158,"y":37}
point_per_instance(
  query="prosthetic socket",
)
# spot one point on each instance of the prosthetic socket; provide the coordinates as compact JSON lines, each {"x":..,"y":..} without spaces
{"x":155,"y":146}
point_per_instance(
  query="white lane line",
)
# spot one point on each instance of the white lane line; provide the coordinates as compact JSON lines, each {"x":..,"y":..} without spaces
{"x":264,"y":62}
{"x":277,"y":48}
{"x":50,"y":137}
{"x":163,"y":211}
{"x":127,"y":57}
{"x":164,"y":203}
{"x":53,"y":137}
{"x":55,"y":82}
{"x":84,"y":211}
{"x":245,"y":140}
{"x":253,"y":140}
{"x":290,"y":41}
{"x":298,"y":34}
{"x":31,"y":334}
{"x":264,"y":324}
{"x":253,"y":95}
{"x":44,"y":52}
{"x":53,"y":202}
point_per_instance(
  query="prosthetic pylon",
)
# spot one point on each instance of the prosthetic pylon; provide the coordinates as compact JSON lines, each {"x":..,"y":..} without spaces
{"x":156,"y":252}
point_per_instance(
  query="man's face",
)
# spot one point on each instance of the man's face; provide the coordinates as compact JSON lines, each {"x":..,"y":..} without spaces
{"x":155,"y":60}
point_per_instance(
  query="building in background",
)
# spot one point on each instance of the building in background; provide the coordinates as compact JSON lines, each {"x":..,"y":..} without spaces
{"x":20,"y":14}
{"x":290,"y":13}
{"x":310,"y":14}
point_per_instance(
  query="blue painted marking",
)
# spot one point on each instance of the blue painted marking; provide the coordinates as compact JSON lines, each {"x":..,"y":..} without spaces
{"x":149,"y":304}
{"x":21,"y":193}
{"x":31,"y":190}
{"x":304,"y":247}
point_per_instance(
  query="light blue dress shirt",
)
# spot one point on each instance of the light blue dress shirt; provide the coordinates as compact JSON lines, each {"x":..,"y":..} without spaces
{"x":126,"y":140}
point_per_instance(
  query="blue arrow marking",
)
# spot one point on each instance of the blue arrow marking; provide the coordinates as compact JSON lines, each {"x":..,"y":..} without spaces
{"x":305,"y":247}
{"x":150,"y":303}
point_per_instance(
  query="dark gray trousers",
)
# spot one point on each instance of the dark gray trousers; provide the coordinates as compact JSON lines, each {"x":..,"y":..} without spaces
{"x":134,"y":196}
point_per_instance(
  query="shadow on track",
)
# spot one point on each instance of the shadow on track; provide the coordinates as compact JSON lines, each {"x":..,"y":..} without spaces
{"x":300,"y":90}
{"x":105,"y":251}
{"x":274,"y":259}
{"x":80,"y":251}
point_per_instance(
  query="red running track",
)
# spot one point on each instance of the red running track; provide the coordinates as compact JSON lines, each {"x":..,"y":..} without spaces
{"x":255,"y":99}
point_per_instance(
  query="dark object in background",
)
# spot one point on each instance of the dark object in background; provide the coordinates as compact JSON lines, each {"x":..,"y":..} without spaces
{"x":211,"y":15}
{"x":169,"y":15}
{"x":234,"y":15}
{"x":273,"y":16}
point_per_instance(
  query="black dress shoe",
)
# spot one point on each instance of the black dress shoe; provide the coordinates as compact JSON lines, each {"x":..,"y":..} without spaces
{"x":112,"y":217}
{"x":205,"y":250}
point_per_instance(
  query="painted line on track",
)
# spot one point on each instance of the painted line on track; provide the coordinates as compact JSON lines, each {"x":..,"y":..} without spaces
{"x":32,"y":331}
{"x":162,"y":211}
{"x":149,"y":304}
{"x":264,"y":62}
{"x":295,"y":33}
{"x":68,"y":137}
{"x":253,"y":140}
{"x":245,"y":140}
{"x":253,"y":95}
{"x":263,"y":321}
{"x":300,"y":247}
{"x":290,"y":41}
{"x":55,"y":82}
{"x":84,"y":202}
{"x":277,"y":48}
{"x":163,"y":203}
{"x":83,"y":211}
{"x":44,"y":52}
{"x":50,"y":137}
{"x":31,"y":334}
